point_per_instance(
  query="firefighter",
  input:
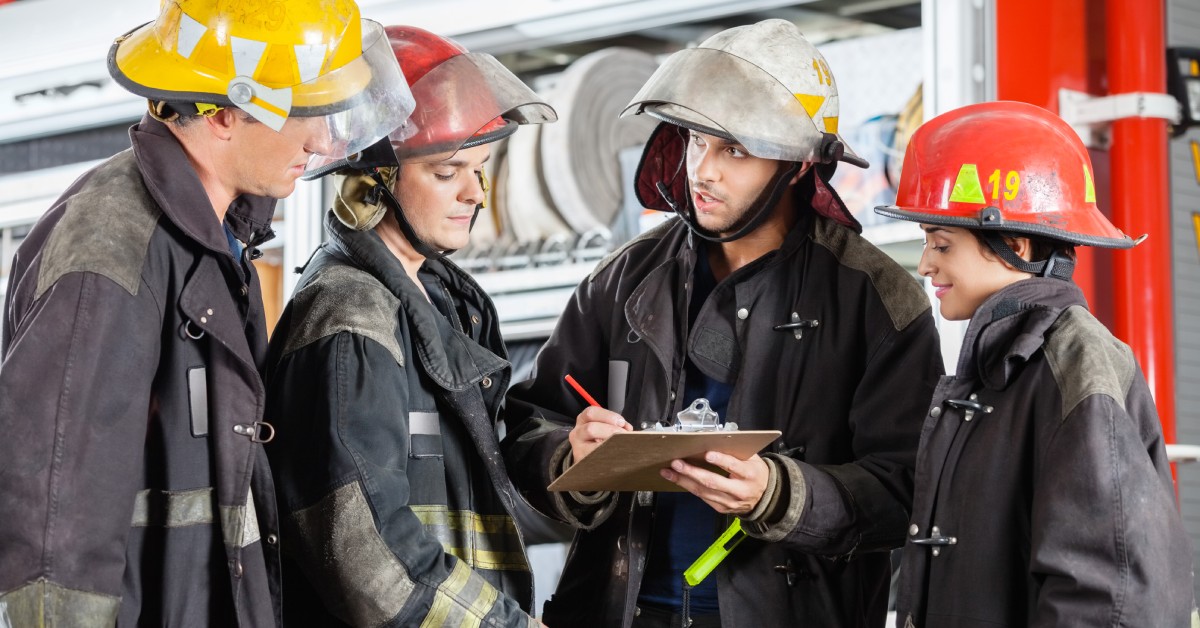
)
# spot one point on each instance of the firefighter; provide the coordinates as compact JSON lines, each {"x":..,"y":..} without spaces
{"x":763,"y":298}
{"x":134,"y":489}
{"x":1044,"y":496}
{"x":387,"y":371}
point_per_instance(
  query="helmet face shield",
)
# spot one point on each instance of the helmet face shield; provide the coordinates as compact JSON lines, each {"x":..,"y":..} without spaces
{"x":458,"y":99}
{"x":361,"y":101}
{"x":302,"y":59}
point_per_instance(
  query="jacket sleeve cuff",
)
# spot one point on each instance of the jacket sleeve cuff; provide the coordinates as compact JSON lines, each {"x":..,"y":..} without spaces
{"x":778,"y":511}
{"x":579,"y":510}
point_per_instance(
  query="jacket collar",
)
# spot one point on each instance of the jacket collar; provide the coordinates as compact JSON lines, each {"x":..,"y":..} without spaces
{"x":173,"y":184}
{"x":452,"y":359}
{"x":1011,"y":325}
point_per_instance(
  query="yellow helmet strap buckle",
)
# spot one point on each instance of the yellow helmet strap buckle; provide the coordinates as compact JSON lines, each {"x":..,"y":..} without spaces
{"x":487,"y":188}
{"x":207,"y":110}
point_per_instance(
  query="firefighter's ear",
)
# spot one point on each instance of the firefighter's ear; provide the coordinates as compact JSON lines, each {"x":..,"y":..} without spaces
{"x":1021,"y":246}
{"x":223,"y":122}
{"x":804,"y":168}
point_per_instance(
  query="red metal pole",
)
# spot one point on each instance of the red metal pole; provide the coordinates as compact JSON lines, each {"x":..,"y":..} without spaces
{"x":1143,"y":299}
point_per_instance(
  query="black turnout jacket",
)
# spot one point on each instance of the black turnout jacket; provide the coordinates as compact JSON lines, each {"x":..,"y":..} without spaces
{"x":1044,"y":497}
{"x":133,"y":486}
{"x":847,"y":391}
{"x":396,"y":507}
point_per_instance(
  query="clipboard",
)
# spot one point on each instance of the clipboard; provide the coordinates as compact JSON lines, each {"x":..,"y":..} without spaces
{"x":630,"y":461}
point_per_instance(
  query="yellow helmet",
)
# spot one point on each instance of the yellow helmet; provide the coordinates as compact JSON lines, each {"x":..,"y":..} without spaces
{"x":273,"y":59}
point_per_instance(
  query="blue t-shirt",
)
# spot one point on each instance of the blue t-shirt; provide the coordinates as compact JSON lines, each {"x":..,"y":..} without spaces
{"x":235,"y":247}
{"x":684,"y":526}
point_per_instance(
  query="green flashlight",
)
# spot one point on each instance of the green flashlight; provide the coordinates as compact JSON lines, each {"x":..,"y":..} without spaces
{"x":715,"y":553}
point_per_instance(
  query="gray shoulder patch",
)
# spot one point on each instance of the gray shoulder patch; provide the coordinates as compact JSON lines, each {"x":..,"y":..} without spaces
{"x":1087,"y":360}
{"x":653,"y":234}
{"x":900,"y":292}
{"x":342,"y":298}
{"x":105,"y":228}
{"x":338,"y":544}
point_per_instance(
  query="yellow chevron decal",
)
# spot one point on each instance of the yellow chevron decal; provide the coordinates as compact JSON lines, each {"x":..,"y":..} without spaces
{"x":810,"y":102}
{"x":966,"y":187}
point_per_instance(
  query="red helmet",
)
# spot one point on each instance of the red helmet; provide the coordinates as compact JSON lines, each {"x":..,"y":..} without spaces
{"x":1003,"y":166}
{"x":463,"y":99}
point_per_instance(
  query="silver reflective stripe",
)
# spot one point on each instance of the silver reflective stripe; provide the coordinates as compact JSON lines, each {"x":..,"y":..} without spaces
{"x":618,"y":378}
{"x":426,"y":423}
{"x":45,"y":603}
{"x":481,"y":541}
{"x":198,"y":398}
{"x":463,"y":599}
{"x":172,"y":509}
{"x":239,"y":524}
{"x":178,"y":509}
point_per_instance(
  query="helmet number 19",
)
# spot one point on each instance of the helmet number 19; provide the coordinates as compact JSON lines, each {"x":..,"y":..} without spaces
{"x":1012,"y":184}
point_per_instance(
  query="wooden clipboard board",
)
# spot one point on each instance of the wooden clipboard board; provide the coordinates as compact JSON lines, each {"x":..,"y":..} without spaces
{"x":630,"y":461}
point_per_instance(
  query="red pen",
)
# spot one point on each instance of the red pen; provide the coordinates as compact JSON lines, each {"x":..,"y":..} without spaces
{"x":582,"y":393}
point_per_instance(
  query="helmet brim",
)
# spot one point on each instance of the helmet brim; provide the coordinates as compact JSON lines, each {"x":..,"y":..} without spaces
{"x":998,"y":224}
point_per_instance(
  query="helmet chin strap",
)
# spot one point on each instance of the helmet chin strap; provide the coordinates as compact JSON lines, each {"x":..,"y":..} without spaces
{"x":419,"y":245}
{"x":1058,"y":266}
{"x":762,"y":207}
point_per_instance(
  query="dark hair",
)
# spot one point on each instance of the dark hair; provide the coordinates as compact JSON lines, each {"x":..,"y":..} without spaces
{"x":1040,"y":247}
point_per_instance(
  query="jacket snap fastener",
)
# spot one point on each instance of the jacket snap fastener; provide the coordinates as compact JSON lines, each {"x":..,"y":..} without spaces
{"x":913,"y":529}
{"x":209,"y":311}
{"x":474,"y":319}
{"x":258,"y":431}
{"x":237,"y":569}
{"x":272,"y":539}
{"x":245,"y":290}
{"x":789,"y":571}
{"x":743,"y":314}
{"x":203,"y":319}
{"x":936,"y":412}
{"x":935,"y":541}
{"x":797,"y":325}
{"x":970,"y":407}
{"x":486,"y":382}
{"x":621,"y":544}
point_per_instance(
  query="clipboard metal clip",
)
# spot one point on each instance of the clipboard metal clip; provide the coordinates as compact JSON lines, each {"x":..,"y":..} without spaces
{"x":697,"y":417}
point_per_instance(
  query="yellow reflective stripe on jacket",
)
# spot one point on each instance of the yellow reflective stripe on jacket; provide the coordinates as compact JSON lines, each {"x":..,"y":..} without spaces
{"x":463,"y":599}
{"x":482,"y":541}
{"x":178,"y":509}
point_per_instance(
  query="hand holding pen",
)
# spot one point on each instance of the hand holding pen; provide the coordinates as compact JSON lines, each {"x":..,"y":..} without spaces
{"x":594,"y":425}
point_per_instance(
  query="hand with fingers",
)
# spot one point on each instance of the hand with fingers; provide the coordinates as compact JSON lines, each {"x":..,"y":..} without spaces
{"x":593,"y":426}
{"x":737,"y":494}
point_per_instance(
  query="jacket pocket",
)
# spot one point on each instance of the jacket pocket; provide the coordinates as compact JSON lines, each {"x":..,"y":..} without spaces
{"x":424,"y":435}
